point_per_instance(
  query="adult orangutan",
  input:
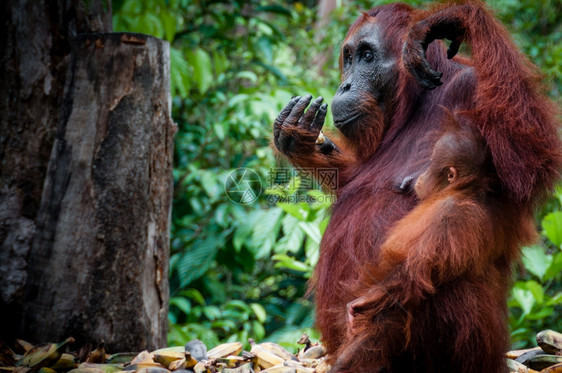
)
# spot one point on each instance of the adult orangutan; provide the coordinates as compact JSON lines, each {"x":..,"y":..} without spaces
{"x":387,"y":110}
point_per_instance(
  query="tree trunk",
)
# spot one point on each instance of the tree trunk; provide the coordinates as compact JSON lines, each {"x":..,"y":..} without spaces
{"x":34,"y":49}
{"x":98,"y":267}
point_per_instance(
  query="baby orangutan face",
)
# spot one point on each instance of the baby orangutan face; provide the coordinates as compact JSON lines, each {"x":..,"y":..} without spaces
{"x":442,"y":170}
{"x":457,"y":159}
{"x":430,"y":182}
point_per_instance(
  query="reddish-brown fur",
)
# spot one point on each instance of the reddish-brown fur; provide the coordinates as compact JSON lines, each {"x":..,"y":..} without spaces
{"x":440,"y":273}
{"x":499,"y":90}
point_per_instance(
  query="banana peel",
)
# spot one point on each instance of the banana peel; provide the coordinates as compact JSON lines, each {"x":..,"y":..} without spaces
{"x":187,"y":362}
{"x":277,"y":350}
{"x":246,"y":368}
{"x":47,"y":370}
{"x":224,"y":350}
{"x":200,"y":367}
{"x":144,"y":357}
{"x":251,"y":358}
{"x":314,"y":352}
{"x":43,"y":355}
{"x":66,"y":362}
{"x":98,"y":355}
{"x":553,"y":369}
{"x":86,"y":370}
{"x":22,"y":346}
{"x":323,"y":367}
{"x":266,"y":359}
{"x":105,"y":368}
{"x":280,"y":368}
{"x":231,"y":361}
{"x":139,"y":366}
{"x":167,"y":357}
{"x":310,"y":363}
{"x":514,"y":354}
{"x":550,"y":342}
{"x":298,"y":366}
{"x":541,"y":362}
{"x":153,"y":370}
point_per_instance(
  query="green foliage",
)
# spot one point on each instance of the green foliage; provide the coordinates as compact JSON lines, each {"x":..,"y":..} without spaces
{"x":234,"y":66}
{"x":536,"y":298}
{"x":241,"y":270}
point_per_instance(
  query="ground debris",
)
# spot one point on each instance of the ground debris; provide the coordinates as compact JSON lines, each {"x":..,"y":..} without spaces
{"x":544,"y":359}
{"x":266,"y":357}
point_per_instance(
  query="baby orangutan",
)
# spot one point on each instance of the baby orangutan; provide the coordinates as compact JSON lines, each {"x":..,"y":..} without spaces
{"x":437,"y":296}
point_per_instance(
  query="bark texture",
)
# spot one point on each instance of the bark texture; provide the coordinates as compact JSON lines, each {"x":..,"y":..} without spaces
{"x":99,"y":262}
{"x":34,"y":50}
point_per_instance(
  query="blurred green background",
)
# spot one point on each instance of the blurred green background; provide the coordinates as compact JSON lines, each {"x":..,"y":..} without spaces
{"x":241,"y":270}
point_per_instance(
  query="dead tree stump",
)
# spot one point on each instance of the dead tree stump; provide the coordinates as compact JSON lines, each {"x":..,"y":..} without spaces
{"x":34,"y":56}
{"x":99,"y":261}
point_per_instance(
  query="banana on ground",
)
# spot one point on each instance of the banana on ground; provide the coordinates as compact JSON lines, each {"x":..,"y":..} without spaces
{"x":66,"y":362}
{"x":167,"y":357}
{"x":550,"y":341}
{"x":277,"y":350}
{"x":143,"y":358}
{"x":224,"y":350}
{"x":153,"y":370}
{"x":314,"y":352}
{"x":23,"y":346}
{"x":246,"y":368}
{"x":266,"y":358}
{"x":43,"y":355}
{"x":186,"y":362}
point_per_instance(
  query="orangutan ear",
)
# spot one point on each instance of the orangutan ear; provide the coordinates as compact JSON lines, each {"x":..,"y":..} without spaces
{"x":452,"y":175}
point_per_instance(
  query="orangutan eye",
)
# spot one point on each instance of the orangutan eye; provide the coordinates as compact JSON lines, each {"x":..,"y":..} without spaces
{"x":347,"y":57}
{"x":368,"y":55}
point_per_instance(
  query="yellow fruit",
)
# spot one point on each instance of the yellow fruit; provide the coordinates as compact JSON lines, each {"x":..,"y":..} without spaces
{"x":153,"y":370}
{"x":514,"y":354}
{"x":167,"y":357}
{"x":224,"y":350}
{"x":66,"y":362}
{"x":106,"y":368}
{"x":86,"y":370}
{"x":553,"y":369}
{"x":277,"y":350}
{"x":43,"y":355}
{"x":200,"y":368}
{"x":23,"y":345}
{"x":98,"y":355}
{"x":231,"y":361}
{"x":314,"y":352}
{"x":143,"y":358}
{"x":280,"y":368}
{"x":186,"y":362}
{"x":323,"y":367}
{"x":266,"y":359}
{"x":246,"y":368}
{"x":47,"y":370}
